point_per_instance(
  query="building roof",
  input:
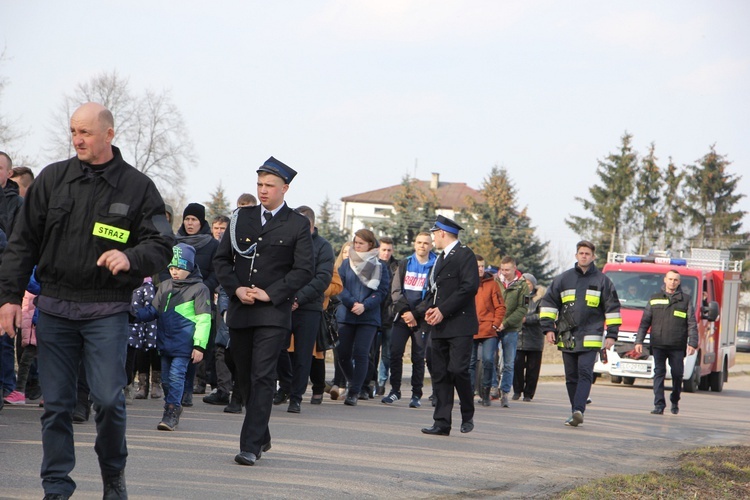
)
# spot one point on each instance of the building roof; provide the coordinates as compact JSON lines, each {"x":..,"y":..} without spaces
{"x":450,"y":195}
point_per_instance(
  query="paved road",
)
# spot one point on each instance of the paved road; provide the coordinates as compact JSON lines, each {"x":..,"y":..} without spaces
{"x":377,"y":451}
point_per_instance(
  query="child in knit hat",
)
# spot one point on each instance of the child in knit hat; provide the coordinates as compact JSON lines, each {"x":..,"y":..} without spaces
{"x":182,"y":308}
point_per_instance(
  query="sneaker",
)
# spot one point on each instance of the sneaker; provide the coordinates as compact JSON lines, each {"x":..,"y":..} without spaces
{"x":516,"y":396}
{"x":575,"y":419}
{"x":414,"y":403}
{"x":526,"y":398}
{"x":335,"y":392}
{"x":15,"y":398}
{"x":217,"y":397}
{"x":588,"y":401}
{"x":504,"y":400}
{"x":391,"y":398}
{"x":364,"y":395}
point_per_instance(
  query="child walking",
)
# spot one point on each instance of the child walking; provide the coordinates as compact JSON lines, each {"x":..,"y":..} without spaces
{"x":182,"y":308}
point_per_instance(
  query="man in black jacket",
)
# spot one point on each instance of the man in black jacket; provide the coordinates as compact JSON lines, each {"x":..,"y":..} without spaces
{"x":449,"y":308}
{"x":265,"y":258}
{"x":671,"y":316}
{"x":307,"y":313}
{"x":95,"y":227}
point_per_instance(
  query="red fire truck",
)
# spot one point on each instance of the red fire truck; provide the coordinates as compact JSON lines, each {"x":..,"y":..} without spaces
{"x":712,"y":280}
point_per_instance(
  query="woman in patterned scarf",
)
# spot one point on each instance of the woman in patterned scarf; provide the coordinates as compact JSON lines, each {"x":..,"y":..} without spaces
{"x":366,"y":283}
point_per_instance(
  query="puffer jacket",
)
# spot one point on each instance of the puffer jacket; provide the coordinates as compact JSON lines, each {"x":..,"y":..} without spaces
{"x":182,"y":309}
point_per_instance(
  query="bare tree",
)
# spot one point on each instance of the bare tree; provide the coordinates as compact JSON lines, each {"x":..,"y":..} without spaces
{"x":8,"y":132}
{"x":149,"y":128}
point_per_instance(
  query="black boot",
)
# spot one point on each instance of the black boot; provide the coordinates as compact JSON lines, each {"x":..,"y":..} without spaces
{"x":486,"y":396}
{"x":170,"y":419}
{"x":83,"y":408}
{"x":114,"y":486}
{"x":235,"y":402}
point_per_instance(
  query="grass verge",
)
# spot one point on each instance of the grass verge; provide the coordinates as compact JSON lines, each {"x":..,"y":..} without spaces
{"x":711,"y":472}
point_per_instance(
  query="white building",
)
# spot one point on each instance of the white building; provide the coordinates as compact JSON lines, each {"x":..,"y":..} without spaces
{"x":369,"y":208}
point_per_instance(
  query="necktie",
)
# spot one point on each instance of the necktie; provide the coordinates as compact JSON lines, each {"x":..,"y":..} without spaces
{"x":267,"y":215}
{"x":439,"y":261}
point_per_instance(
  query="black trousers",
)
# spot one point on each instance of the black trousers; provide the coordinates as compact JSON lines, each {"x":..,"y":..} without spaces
{"x":676,"y":358}
{"x":255,"y":352}
{"x":450,"y":370}
{"x":527,"y":367}
{"x":305,"y":325}
{"x":579,"y":375}
{"x":399,"y":336}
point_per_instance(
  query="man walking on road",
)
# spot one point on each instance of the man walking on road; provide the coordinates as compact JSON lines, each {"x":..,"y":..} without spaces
{"x":450,"y":310}
{"x":573,"y":313}
{"x":671,"y":316}
{"x":264,"y":260}
{"x":95,"y":227}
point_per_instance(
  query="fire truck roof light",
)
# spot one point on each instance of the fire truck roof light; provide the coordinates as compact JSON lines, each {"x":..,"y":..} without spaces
{"x":651,"y":259}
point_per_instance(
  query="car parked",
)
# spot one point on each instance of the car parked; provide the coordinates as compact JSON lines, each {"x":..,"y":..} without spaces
{"x":743,"y":341}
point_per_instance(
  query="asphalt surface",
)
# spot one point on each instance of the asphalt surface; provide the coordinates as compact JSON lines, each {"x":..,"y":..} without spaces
{"x":377,"y":451}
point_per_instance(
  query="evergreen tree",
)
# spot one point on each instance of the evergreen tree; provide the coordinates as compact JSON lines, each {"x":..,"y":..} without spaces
{"x":413,"y":211}
{"x":711,"y":204}
{"x":646,"y":219}
{"x":673,"y":208}
{"x":218,"y":205}
{"x":328,"y":226}
{"x":495,"y":227}
{"x":607,"y":202}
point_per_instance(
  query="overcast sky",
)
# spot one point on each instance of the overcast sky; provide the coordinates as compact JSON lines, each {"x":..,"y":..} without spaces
{"x":354,"y":95}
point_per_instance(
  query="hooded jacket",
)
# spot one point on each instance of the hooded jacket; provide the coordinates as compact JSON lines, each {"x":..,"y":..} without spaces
{"x":182,"y":309}
{"x":205,"y":248}
{"x":514,"y":296}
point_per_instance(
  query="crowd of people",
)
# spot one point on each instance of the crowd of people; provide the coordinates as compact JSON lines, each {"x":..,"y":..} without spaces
{"x":235,"y":309}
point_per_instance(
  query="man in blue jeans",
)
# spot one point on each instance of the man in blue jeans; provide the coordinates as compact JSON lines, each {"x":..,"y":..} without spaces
{"x":96,"y":227}
{"x":514,"y":290}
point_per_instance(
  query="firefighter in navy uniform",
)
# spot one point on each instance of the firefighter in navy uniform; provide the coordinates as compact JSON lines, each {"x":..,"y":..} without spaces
{"x":573,"y":313}
{"x":266,"y":259}
{"x":671,"y":316}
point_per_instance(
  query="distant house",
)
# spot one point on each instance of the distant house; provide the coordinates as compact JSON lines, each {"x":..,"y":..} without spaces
{"x":368,"y":208}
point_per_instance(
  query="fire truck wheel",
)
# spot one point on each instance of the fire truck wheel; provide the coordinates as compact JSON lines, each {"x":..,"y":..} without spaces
{"x":628,"y":380}
{"x":615,"y":379}
{"x":716,"y":379}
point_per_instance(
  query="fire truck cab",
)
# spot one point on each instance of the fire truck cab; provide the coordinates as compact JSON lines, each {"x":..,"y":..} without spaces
{"x":713,"y":282}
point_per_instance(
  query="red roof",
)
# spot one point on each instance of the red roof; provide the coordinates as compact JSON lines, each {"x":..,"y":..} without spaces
{"x":450,"y":195}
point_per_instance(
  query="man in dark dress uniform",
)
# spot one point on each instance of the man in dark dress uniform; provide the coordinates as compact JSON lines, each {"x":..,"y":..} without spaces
{"x":450,"y":309}
{"x":266,"y":258}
